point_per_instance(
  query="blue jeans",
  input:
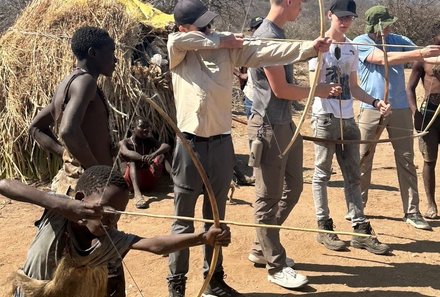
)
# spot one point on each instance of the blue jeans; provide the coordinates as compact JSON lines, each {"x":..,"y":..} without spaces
{"x":247,"y":107}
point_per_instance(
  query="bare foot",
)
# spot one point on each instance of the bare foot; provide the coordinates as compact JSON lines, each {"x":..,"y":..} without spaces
{"x":142,"y":203}
{"x":232,"y":187}
{"x":431,"y":213}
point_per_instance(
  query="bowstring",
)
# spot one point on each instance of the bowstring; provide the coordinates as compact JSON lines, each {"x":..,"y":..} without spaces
{"x":334,"y":42}
{"x":246,"y":15}
{"x":103,"y":192}
{"x":122,"y":260}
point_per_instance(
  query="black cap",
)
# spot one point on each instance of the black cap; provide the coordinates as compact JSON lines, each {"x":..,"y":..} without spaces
{"x":255,"y":23}
{"x":343,"y":8}
{"x":192,"y":12}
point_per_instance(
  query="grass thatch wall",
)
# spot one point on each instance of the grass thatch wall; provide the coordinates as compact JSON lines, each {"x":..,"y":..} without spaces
{"x":35,"y":56}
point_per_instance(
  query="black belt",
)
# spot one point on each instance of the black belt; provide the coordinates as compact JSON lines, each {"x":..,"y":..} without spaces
{"x":196,"y":138}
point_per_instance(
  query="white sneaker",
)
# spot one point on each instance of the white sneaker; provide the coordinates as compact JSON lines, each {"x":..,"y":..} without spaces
{"x":288,"y":278}
{"x":259,"y":260}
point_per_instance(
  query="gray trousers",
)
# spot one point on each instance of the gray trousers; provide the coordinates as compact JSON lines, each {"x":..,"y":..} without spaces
{"x":278,"y":185}
{"x":328,"y":127}
{"x":398,"y":124}
{"x":217,"y":158}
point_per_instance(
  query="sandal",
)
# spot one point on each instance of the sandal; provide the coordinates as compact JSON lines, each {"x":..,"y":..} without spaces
{"x":142,"y":204}
{"x":430,"y":214}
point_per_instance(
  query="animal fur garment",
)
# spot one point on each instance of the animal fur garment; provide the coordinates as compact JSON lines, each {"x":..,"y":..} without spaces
{"x":68,"y":281}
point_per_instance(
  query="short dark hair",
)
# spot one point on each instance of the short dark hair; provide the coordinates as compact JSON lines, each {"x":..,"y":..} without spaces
{"x":138,"y":119}
{"x":96,"y":178}
{"x":88,"y":37}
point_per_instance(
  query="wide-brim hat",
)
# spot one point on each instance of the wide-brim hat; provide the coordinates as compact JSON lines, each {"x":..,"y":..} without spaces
{"x":377,"y":16}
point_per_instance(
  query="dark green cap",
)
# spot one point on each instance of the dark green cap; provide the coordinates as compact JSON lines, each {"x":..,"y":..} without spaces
{"x":375,"y":15}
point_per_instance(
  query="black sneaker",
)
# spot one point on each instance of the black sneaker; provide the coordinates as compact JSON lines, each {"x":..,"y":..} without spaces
{"x":176,"y":286}
{"x":330,"y":241}
{"x":416,"y":220}
{"x":371,"y":244}
{"x":218,"y":288}
{"x":246,"y":181}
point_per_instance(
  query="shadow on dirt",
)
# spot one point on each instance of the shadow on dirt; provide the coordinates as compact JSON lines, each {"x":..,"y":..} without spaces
{"x":393,"y":275}
{"x":345,"y":294}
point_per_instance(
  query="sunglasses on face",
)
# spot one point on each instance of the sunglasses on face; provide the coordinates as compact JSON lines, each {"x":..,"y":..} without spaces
{"x":346,"y":18}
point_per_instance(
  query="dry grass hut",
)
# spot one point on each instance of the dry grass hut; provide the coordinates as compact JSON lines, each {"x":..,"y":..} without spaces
{"x":35,"y":55}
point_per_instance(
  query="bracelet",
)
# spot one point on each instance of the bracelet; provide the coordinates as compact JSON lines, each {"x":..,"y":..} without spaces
{"x":374,"y":102}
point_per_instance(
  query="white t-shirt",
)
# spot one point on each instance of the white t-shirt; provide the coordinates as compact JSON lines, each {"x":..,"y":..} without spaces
{"x":337,"y":71}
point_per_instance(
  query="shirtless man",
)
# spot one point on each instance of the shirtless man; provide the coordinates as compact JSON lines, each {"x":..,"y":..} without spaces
{"x":79,"y":115}
{"x":429,"y":72}
{"x":145,"y":160}
{"x":78,"y":112}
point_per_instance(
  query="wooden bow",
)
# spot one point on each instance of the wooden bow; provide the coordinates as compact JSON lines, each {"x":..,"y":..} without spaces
{"x":346,"y":141}
{"x":204,"y":177}
{"x":380,"y":126}
{"x":431,"y":122}
{"x":362,"y":141}
{"x":313,"y":86}
{"x":437,"y":111}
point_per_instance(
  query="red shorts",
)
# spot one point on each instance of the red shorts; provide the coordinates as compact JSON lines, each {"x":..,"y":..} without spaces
{"x":147,"y":176}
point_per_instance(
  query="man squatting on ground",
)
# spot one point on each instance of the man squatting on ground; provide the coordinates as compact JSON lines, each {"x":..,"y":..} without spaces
{"x":76,"y":241}
{"x":79,"y":115}
{"x":340,"y":66}
{"x":279,"y":181}
{"x":202,"y":63}
{"x":371,"y":75}
{"x":145,"y":160}
{"x":429,"y":72}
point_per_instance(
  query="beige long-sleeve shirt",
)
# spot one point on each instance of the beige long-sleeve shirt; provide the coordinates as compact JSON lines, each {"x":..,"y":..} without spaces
{"x":202,"y":75}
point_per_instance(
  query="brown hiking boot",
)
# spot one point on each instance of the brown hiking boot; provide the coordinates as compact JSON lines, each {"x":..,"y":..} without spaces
{"x":371,"y":244}
{"x":330,"y":241}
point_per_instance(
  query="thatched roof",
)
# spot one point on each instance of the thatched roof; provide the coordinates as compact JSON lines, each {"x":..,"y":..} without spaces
{"x":35,"y":56}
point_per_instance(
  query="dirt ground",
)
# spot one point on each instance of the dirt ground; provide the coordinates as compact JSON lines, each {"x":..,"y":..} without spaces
{"x":413,"y":268}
